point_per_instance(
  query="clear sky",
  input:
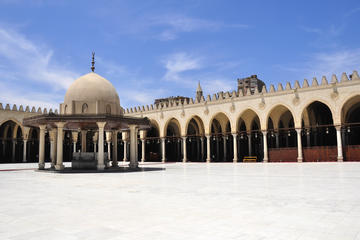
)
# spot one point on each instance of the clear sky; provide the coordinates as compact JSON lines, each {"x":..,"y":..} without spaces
{"x":151,"y":49}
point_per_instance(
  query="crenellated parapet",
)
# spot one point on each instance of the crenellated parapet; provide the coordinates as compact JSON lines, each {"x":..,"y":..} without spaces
{"x":27,"y":109}
{"x":223,"y":97}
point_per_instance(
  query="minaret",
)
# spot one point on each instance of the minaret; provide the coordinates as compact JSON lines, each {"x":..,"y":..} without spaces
{"x":199,"y":92}
{"x":93,"y":62}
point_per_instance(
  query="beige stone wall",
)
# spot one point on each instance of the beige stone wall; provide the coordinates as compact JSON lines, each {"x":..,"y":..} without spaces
{"x":334,"y":93}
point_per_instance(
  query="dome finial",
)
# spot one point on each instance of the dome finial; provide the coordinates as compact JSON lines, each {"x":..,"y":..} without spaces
{"x":93,"y":62}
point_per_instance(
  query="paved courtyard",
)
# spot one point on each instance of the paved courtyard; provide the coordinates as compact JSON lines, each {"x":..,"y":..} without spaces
{"x":185,"y":201}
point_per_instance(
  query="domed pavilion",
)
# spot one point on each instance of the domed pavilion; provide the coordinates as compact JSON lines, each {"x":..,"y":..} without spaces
{"x":91,"y":103}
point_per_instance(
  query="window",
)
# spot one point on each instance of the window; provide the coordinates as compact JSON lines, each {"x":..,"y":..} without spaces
{"x":84,"y":108}
{"x":108,"y":109}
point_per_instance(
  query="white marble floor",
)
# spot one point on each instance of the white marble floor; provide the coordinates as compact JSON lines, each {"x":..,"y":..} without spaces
{"x":186,"y":201}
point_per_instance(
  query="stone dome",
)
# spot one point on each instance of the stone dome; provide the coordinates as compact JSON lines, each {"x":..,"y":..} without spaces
{"x":91,"y":94}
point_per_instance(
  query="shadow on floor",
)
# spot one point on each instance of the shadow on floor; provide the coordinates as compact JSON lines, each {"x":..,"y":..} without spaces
{"x":108,"y":170}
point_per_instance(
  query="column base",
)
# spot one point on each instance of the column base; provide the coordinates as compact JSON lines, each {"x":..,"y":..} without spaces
{"x":208,"y":160}
{"x":114,"y":164}
{"x":163,"y":160}
{"x":142,"y":160}
{"x":124,"y":160}
{"x":100,"y":167}
{"x":52,"y":166}
{"x":184,"y":160}
{"x":265,"y":160}
{"x":340,"y":159}
{"x":41,"y":166}
{"x":59,"y":167}
{"x":299,"y":159}
{"x":133,"y":165}
{"x":235,"y":160}
{"x":24,"y":161}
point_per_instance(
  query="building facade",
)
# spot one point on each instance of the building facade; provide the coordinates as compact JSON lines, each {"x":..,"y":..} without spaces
{"x":316,"y":121}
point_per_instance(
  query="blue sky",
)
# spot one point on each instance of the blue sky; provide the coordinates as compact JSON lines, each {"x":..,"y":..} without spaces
{"x":151,"y":49}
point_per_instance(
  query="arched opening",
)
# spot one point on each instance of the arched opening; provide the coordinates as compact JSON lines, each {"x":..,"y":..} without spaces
{"x":318,"y":133}
{"x":153,"y":143}
{"x":281,"y":137}
{"x":221,"y":139}
{"x":8,"y":141}
{"x":350,"y":119}
{"x":84,"y":108}
{"x":250,"y":142}
{"x":108,"y":109}
{"x":173,"y":141}
{"x":33,"y":145}
{"x":195,"y":140}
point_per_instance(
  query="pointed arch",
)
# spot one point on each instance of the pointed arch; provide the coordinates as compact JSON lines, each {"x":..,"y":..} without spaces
{"x":197,"y":123}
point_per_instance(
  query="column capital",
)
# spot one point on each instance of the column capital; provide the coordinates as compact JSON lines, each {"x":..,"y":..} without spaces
{"x":60,"y":124}
{"x":42,"y":127}
{"x":338,"y":128}
{"x":298,"y":130}
{"x":52,"y":134}
{"x":108,"y":136}
{"x":101,"y":124}
{"x":74,"y":135}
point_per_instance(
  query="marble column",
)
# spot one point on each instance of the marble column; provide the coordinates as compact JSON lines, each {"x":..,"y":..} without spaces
{"x":83,"y":140}
{"x":143,"y":143}
{"x":108,"y":141}
{"x":13,"y":150}
{"x":184,"y":149}
{"x":235,"y":159}
{"x":133,"y":146}
{"x":24,"y":149}
{"x":100,"y":155}
{"x":208,"y":152}
{"x":266,"y":155}
{"x":125,"y":150}
{"x":52,"y":135}
{"x":249,"y":144}
{"x":163,"y":150}
{"x":59,"y":149}
{"x":225,"y":149}
{"x":42,"y":147}
{"x":74,"y":139}
{"x":299,"y":145}
{"x":340,"y":157}
{"x":114,"y":162}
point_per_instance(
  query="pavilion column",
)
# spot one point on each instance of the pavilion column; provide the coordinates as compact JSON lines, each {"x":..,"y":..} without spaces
{"x":100,"y":155}
{"x":74,"y":139}
{"x":340,"y":157}
{"x":299,"y":145}
{"x":125,"y":138}
{"x":224,"y":143}
{"x":143,"y":144}
{"x":125,"y":151}
{"x":59,"y":149}
{"x":13,"y":150}
{"x":133,"y":147}
{"x":24,"y":149}
{"x":208,"y":152}
{"x":52,"y":134}
{"x":83,"y":140}
{"x":249,"y":144}
{"x":266,"y":155}
{"x":143,"y":150}
{"x":42,"y":147}
{"x":108,"y":141}
{"x":235,"y":159}
{"x":163,"y":150}
{"x":184,"y":149}
{"x":114,"y":162}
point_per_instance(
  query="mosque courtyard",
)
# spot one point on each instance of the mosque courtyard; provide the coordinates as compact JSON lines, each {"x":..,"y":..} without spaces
{"x":185,"y":201}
